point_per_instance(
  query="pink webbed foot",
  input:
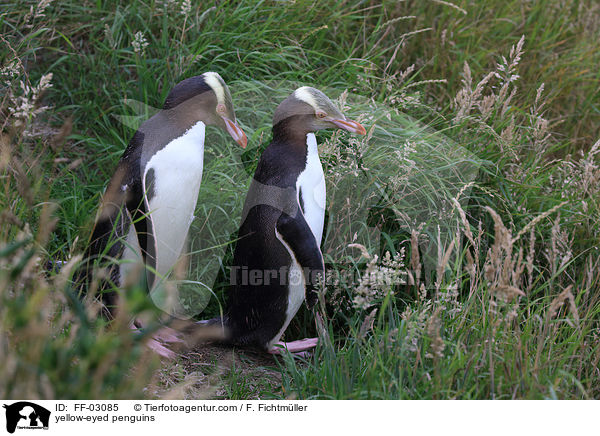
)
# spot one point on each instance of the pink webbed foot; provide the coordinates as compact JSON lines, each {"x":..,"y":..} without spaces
{"x":298,"y":348}
{"x":165,"y":334}
{"x":160,"y":349}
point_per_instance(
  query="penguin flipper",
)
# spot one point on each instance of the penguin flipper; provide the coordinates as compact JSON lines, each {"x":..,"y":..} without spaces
{"x":297,"y":234}
{"x":142,"y":220}
{"x":106,"y":242}
{"x":110,"y":223}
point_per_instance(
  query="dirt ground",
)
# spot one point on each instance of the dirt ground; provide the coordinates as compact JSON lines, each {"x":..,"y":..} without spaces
{"x":214,"y":371}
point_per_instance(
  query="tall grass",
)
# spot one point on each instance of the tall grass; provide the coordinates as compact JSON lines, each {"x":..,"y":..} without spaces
{"x":482,"y":120}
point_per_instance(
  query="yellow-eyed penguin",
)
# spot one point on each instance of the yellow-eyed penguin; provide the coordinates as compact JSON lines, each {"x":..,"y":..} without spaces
{"x":277,"y":259}
{"x":156,"y":185}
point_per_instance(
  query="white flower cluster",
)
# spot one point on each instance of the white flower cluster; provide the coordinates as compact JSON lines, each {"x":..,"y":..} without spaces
{"x":139,"y":43}
{"x":379,"y":278}
{"x":186,"y":7}
{"x":9,"y":72}
{"x":23,"y":107}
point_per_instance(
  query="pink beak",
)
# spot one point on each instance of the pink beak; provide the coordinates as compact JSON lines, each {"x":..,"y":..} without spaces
{"x":236,"y":133}
{"x":351,"y":126}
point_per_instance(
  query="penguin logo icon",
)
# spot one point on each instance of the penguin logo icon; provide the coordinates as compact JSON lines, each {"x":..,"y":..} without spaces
{"x":26,"y":415}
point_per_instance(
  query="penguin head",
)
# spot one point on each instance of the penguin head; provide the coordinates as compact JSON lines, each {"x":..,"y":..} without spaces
{"x":205,"y":98}
{"x":314,"y":111}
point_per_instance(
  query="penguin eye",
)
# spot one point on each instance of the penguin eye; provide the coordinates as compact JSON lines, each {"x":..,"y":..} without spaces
{"x":221,"y":109}
{"x":321,"y":114}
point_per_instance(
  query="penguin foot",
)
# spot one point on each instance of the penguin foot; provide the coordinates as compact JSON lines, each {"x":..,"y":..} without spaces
{"x":160,"y":349}
{"x":298,"y":348}
{"x":167,"y":334}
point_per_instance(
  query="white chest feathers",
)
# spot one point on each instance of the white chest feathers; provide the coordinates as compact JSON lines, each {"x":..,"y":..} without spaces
{"x":311,"y":189}
{"x":296,"y":291}
{"x":171,"y":183}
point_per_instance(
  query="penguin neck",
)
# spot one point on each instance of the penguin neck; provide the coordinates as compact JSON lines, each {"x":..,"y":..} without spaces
{"x":196,"y":131}
{"x":292,"y":130}
{"x":182,"y":119}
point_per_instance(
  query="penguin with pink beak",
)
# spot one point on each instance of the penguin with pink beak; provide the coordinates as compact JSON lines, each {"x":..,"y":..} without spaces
{"x":278,"y":263}
{"x":149,"y":203}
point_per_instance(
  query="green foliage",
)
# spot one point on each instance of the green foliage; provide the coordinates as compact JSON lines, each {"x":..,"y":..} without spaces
{"x":433,"y":71}
{"x":55,"y":346}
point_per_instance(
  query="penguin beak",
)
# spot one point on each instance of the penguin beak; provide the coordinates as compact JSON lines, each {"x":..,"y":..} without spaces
{"x":351,"y":126}
{"x":236,"y":133}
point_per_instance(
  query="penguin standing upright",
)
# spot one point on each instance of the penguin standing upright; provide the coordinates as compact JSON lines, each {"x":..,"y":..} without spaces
{"x":156,"y":183}
{"x":277,"y":260}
